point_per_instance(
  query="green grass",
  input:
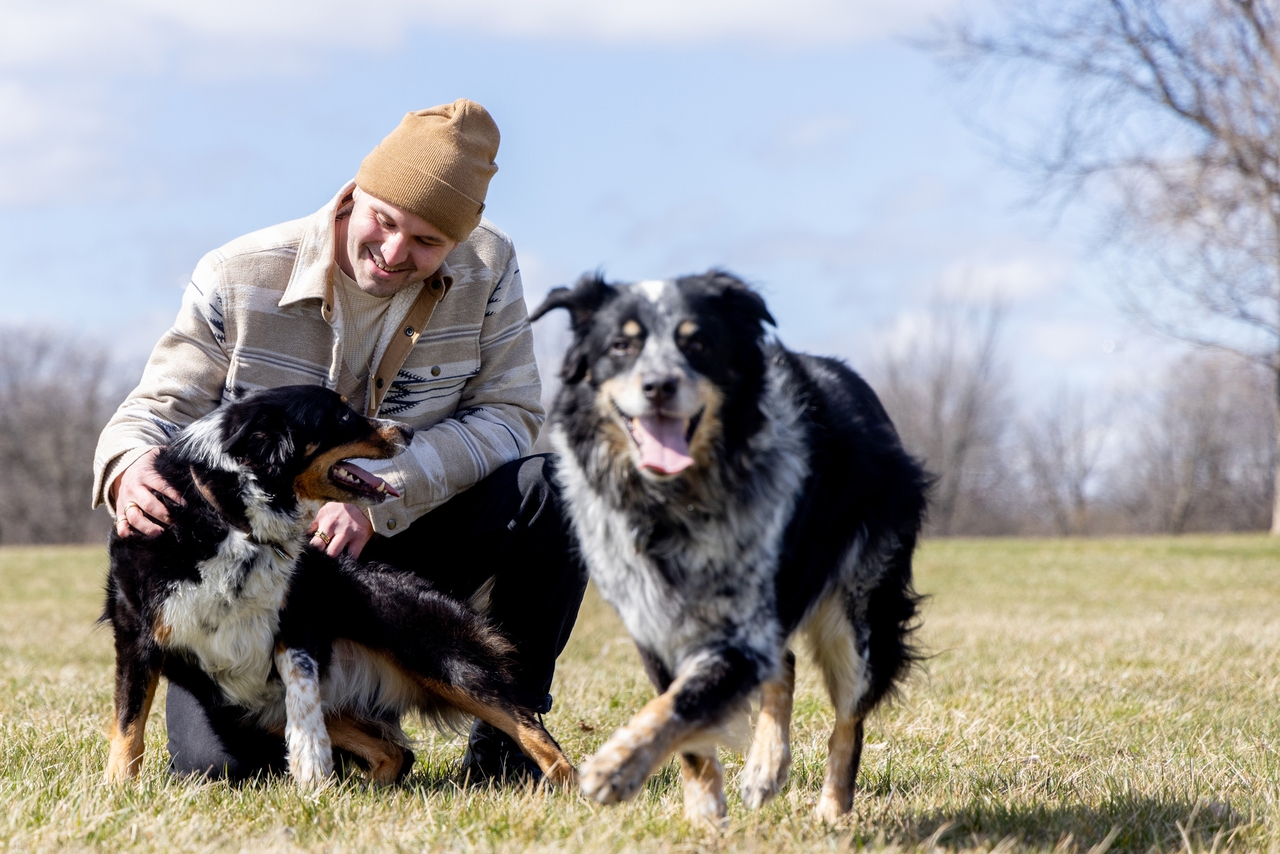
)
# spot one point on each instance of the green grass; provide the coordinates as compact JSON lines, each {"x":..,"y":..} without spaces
{"x":1077,"y":691}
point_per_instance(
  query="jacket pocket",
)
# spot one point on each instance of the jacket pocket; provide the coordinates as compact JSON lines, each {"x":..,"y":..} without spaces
{"x":430,"y":384}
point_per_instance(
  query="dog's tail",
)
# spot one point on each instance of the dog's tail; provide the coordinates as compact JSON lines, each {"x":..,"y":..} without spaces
{"x":446,"y":645}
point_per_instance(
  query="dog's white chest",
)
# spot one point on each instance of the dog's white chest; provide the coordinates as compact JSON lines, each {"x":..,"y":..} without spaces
{"x":229,"y":619}
{"x":718,"y":592}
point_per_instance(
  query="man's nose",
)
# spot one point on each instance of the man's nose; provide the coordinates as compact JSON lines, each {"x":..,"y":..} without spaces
{"x":395,"y":249}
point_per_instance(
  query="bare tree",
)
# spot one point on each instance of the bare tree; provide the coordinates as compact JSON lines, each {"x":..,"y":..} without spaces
{"x":1202,"y":457}
{"x":1173,"y":109}
{"x":55,"y":397}
{"x":945,"y":386}
{"x":1062,"y":446}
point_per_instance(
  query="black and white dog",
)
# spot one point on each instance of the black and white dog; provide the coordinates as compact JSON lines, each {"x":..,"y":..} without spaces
{"x":729,"y":495}
{"x":232,"y":603}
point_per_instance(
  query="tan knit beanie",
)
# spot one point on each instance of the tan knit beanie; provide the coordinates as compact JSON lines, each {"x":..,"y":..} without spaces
{"x":436,"y":164}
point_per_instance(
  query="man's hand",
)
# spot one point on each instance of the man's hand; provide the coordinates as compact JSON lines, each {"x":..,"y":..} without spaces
{"x":137,"y":507}
{"x":341,"y":528}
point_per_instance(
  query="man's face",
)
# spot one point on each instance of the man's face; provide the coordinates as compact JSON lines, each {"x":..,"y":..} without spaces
{"x":388,"y":248}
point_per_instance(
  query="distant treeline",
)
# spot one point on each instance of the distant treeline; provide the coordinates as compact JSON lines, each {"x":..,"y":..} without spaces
{"x":56,"y":393}
{"x":1194,"y":451}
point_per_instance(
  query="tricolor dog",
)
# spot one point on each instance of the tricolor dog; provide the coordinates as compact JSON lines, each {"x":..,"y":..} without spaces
{"x":230,"y":601}
{"x":730,"y":495}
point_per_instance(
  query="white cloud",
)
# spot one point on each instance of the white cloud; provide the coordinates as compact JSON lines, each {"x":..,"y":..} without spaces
{"x":48,"y":141}
{"x":1007,"y":280}
{"x":812,"y":139}
{"x":58,"y":57}
{"x":108,"y":33}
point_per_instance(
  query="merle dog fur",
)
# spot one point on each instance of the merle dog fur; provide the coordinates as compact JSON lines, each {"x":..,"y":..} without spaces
{"x":799,"y":515}
{"x":231,"y":603}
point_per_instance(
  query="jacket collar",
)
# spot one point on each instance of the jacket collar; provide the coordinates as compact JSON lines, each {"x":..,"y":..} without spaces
{"x":313,"y":269}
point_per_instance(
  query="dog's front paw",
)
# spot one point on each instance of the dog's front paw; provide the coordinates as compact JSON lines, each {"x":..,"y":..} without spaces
{"x":310,"y":761}
{"x":618,"y":769}
{"x":122,"y":766}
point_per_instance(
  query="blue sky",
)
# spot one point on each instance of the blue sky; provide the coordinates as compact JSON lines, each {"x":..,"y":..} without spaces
{"x":804,"y":146}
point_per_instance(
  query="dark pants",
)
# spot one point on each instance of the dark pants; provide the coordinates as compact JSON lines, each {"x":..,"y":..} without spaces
{"x":508,"y":527}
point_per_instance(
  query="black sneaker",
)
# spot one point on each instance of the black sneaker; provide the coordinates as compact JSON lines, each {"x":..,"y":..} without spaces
{"x":493,"y":757}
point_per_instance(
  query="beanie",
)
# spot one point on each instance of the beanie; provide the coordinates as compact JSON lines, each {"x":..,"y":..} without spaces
{"x":437,"y":165}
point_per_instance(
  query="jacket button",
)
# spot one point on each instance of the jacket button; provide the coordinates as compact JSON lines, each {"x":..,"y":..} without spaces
{"x":378,"y":382}
{"x":391,"y":524}
{"x":435,"y":371}
{"x":408,"y":330}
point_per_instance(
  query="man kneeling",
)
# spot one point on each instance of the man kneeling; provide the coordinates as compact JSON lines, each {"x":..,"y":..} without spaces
{"x":401,"y":297}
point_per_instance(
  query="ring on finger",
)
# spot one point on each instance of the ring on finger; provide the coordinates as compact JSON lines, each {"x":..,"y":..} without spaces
{"x":324,"y":538}
{"x":125,"y":512}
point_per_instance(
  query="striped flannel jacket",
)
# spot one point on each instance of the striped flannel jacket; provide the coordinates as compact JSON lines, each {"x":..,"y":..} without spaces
{"x":455,"y":360}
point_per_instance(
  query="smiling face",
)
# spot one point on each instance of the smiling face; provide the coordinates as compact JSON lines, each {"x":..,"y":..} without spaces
{"x":648,"y":382}
{"x":386,"y":248}
{"x":668,"y":367}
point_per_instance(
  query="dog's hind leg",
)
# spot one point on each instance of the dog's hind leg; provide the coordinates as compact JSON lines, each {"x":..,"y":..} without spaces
{"x":450,"y":652}
{"x":306,"y":738}
{"x":137,"y":675}
{"x":382,"y":753}
{"x":706,"y":691}
{"x":844,"y":670}
{"x":770,"y":756}
{"x":703,"y":779}
{"x":517,"y":722}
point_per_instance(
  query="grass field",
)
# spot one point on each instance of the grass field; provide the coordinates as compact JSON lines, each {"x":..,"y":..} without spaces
{"x":1079,"y":694}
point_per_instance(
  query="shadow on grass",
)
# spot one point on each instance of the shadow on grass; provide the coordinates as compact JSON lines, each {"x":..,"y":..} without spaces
{"x":448,"y":777}
{"x":1129,"y":822}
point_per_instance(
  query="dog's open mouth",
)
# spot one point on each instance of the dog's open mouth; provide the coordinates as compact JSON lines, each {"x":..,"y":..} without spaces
{"x":663,"y":441}
{"x":351,"y":477}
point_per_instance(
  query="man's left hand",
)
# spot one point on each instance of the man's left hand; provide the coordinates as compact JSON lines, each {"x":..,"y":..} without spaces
{"x":341,"y":528}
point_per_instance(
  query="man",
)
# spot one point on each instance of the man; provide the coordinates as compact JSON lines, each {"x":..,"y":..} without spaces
{"x":398,"y":295}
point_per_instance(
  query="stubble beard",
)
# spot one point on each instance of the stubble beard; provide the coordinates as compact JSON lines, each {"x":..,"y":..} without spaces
{"x":375,"y":286}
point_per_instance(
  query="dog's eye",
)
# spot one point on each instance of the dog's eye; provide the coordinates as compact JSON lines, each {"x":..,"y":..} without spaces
{"x":620,"y":347}
{"x":693,"y":345}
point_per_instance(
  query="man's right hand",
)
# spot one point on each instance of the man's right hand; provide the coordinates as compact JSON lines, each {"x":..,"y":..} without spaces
{"x":137,"y":506}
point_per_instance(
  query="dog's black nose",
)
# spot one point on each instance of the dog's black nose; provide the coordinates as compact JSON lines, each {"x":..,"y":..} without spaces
{"x":660,"y":389}
{"x":407,"y":432}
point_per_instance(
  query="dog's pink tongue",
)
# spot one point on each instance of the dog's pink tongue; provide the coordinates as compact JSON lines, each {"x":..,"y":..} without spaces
{"x":375,"y":483}
{"x":662,"y":444}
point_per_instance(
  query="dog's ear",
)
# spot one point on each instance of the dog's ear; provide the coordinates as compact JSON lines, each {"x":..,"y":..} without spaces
{"x":743,"y":301}
{"x":583,"y":300}
{"x":258,"y":436}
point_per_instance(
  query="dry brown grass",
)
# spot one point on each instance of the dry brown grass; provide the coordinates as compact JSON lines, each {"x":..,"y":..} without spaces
{"x":1080,"y":693}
